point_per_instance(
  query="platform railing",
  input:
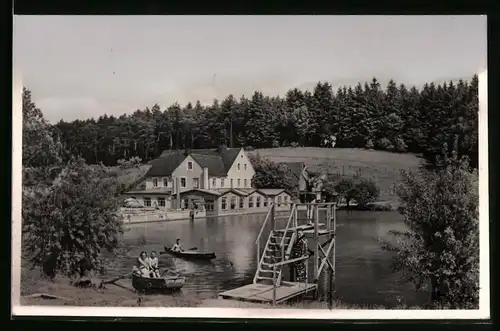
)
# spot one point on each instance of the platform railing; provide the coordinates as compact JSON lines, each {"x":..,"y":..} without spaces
{"x":269,"y":215}
{"x":280,"y":264}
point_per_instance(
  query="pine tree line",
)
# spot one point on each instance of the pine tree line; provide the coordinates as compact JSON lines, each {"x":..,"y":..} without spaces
{"x":432,"y":121}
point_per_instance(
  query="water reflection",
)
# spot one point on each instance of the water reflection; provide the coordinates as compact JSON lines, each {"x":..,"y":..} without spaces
{"x":363,"y":268}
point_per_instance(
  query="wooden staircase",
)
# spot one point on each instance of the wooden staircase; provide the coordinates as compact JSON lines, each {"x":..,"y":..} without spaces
{"x":278,"y":245}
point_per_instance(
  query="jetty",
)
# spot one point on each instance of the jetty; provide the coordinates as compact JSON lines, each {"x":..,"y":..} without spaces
{"x":269,"y":284}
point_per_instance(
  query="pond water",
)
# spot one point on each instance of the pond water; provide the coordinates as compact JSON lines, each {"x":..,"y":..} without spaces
{"x":363,"y":272}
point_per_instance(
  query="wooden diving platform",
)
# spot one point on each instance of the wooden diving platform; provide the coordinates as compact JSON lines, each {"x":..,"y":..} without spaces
{"x":262,"y":293}
{"x":308,"y":229}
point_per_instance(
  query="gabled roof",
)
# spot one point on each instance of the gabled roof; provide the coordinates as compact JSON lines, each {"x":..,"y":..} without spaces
{"x":271,"y":191}
{"x":295,"y":167}
{"x":218,"y":163}
{"x":224,"y":191}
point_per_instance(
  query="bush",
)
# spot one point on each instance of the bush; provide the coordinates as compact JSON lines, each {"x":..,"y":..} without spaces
{"x":67,"y":225}
{"x":441,"y":245}
{"x":294,"y":144}
{"x":400,"y":145}
{"x":133,"y":162}
{"x":276,"y":144}
{"x":369,"y":144}
{"x":366,"y":191}
{"x":384,"y":144}
{"x":248,"y":148}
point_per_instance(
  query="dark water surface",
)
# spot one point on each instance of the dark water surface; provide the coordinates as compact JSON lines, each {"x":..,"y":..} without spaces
{"x":363,"y":270}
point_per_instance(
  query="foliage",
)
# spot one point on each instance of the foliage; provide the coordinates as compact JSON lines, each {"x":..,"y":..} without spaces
{"x":133,"y":162}
{"x":345,"y":189}
{"x":365,"y":192}
{"x":441,"y":246}
{"x":69,"y":208}
{"x":67,"y":225}
{"x":406,"y":120}
{"x":272,"y":175}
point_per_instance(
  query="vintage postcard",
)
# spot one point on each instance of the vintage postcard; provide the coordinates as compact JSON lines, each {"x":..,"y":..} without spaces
{"x":326,"y":167}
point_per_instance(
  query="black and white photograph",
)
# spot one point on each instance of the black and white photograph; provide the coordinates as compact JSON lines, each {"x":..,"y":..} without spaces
{"x":331,"y":167}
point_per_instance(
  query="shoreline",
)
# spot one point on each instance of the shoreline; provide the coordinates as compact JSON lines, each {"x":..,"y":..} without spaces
{"x":40,"y":292}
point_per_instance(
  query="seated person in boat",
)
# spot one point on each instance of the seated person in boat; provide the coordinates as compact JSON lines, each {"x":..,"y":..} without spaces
{"x":177,"y":247}
{"x":153,"y":265}
{"x":143,"y":265}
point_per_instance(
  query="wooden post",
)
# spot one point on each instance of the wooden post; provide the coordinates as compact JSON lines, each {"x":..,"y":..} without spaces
{"x":273,"y":217}
{"x":274,"y":282}
{"x":334,"y":238}
{"x":295,"y":216}
{"x":315,"y":241}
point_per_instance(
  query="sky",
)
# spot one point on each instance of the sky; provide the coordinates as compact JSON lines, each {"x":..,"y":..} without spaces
{"x":86,"y":66}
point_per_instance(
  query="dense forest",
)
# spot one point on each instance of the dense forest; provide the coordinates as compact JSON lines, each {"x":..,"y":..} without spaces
{"x":432,"y":121}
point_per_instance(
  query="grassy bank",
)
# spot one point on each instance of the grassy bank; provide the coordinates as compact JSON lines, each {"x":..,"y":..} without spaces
{"x":383,"y":167}
{"x":122,"y":295}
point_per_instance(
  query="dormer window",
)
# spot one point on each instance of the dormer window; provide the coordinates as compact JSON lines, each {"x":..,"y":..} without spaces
{"x":190,"y":165}
{"x":155,"y":182}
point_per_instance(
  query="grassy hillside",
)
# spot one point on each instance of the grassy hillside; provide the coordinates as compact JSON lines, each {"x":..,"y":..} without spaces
{"x":382,"y":167}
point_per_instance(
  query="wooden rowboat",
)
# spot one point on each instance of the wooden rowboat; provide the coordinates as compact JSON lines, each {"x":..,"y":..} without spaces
{"x":165,"y":284}
{"x":191,"y":254}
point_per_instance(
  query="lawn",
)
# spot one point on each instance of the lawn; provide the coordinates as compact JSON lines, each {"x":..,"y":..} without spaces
{"x":383,"y":167}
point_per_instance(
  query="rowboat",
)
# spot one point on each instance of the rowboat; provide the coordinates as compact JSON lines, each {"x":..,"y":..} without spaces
{"x":191,"y":254}
{"x":165,"y":284}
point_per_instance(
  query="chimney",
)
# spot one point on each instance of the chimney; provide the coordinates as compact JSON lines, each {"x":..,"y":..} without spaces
{"x":222,"y":148}
{"x":205,"y":178}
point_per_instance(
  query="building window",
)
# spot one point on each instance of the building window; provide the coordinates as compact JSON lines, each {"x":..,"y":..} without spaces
{"x":233,"y":203}
{"x":242,"y":203}
{"x":222,"y":183}
{"x":279,"y":201}
{"x":245,"y":165}
{"x":165,"y":181}
{"x":245,"y":182}
{"x":257,"y":203}
{"x":183,"y":181}
{"x":224,"y":203}
{"x":232,"y":183}
{"x":239,"y":182}
{"x":209,"y":205}
{"x":214,"y":183}
{"x":190,"y":165}
{"x":265,"y":202}
{"x":161,"y":202}
{"x":155,"y":182}
{"x":147,"y":202}
{"x":185,"y":203}
{"x":250,"y":202}
{"x":238,"y":166}
{"x":196,"y":182}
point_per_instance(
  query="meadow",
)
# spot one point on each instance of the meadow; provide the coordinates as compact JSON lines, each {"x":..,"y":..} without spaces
{"x":383,"y":167}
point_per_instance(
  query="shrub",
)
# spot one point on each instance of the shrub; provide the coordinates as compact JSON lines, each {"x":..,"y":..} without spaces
{"x":400,"y":145}
{"x":441,"y":245}
{"x":384,"y":144}
{"x":366,"y":191}
{"x":369,"y":144}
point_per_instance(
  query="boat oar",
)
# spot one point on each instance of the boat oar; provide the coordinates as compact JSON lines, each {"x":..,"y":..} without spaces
{"x":114,"y":280}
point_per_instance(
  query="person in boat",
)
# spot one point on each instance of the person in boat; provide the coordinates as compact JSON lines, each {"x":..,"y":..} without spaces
{"x":299,"y":249}
{"x":143,"y":265}
{"x":177,"y":246}
{"x":153,"y":265}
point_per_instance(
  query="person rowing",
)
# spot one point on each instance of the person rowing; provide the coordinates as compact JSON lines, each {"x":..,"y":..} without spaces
{"x":177,"y":246}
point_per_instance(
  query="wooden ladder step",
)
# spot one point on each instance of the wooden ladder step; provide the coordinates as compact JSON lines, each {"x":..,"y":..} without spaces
{"x":268,"y":271}
{"x":265,"y":278}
